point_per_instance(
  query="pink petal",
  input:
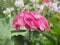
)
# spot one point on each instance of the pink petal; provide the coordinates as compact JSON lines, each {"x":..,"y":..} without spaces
{"x":46,"y":1}
{"x":41,"y":27}
{"x":35,"y":14}
{"x":30,"y":22}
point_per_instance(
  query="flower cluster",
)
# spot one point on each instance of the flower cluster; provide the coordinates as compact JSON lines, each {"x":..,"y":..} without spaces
{"x":53,"y":6}
{"x":30,"y":19}
{"x":19,"y":3}
{"x":34,"y":1}
{"x":8,"y":11}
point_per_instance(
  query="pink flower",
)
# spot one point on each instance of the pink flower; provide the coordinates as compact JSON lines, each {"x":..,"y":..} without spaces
{"x":30,"y":19}
{"x":46,"y":1}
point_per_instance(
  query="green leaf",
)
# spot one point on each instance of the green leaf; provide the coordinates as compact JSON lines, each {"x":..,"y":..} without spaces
{"x":40,"y":1}
{"x":20,"y":40}
{"x":26,"y":1}
{"x":56,"y":25}
{"x":56,"y":30}
{"x":6,"y":42}
{"x":9,"y":3}
{"x":9,"y":42}
{"x":54,"y":21}
{"x":21,"y":32}
{"x":49,"y":37}
{"x":4,"y":29}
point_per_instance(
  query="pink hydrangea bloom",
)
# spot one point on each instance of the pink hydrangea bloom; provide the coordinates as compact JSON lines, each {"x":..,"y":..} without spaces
{"x":30,"y":19}
{"x":46,"y":1}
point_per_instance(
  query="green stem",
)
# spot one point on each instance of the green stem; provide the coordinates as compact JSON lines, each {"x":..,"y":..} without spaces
{"x":31,"y":36}
{"x":58,"y":38}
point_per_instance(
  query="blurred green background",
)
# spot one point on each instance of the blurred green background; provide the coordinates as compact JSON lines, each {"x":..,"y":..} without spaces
{"x":9,"y":36}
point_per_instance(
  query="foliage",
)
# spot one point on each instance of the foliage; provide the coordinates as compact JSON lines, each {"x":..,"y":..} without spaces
{"x":9,"y":36}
